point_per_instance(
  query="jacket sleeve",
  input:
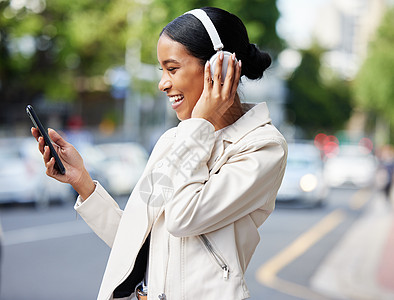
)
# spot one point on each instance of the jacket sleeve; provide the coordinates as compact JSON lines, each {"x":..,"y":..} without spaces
{"x":101,"y":212}
{"x":248,"y":181}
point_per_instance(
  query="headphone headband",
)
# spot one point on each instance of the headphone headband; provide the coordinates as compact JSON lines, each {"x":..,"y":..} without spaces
{"x":210,"y":28}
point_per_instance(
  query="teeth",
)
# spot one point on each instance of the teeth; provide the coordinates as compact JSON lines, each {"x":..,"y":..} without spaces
{"x":175,"y":98}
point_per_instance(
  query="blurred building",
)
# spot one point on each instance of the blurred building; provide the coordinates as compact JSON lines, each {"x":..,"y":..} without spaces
{"x":345,"y":27}
{"x":270,"y":89}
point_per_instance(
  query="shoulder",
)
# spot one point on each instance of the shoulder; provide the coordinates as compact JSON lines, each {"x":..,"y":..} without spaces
{"x":163,"y":143}
{"x":168,"y":136}
{"x":262,"y":137}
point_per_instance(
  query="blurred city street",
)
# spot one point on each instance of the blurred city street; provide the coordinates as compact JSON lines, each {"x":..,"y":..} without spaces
{"x":335,"y":251}
{"x":91,"y":71}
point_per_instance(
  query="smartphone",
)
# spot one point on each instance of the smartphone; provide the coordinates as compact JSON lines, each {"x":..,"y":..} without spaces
{"x":36,"y":122}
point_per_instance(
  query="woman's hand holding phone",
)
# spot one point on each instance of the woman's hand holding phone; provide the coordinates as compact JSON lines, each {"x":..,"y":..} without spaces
{"x":217,"y":97}
{"x":76,"y":174}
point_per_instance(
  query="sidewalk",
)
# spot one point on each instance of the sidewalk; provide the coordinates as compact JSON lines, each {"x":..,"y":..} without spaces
{"x":361,"y":267}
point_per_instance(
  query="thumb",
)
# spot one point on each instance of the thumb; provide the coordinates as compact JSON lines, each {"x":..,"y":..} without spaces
{"x":56,"y":138}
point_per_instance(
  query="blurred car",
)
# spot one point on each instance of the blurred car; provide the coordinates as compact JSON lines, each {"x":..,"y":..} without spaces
{"x":303,"y":180}
{"x":353,"y":165}
{"x":22,"y":174}
{"x":120,"y":165}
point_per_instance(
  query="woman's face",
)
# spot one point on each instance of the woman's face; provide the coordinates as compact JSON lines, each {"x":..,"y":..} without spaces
{"x":182,"y":78}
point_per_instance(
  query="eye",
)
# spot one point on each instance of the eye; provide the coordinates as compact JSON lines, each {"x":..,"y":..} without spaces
{"x":171,"y":69}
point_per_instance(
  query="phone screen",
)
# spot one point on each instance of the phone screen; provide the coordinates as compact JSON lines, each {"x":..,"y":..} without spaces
{"x":36,"y":122}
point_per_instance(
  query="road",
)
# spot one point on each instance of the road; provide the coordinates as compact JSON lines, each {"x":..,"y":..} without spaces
{"x":51,"y":254}
{"x":295,"y":241}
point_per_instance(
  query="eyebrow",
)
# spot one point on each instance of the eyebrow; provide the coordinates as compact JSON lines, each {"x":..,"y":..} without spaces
{"x":167,"y":61}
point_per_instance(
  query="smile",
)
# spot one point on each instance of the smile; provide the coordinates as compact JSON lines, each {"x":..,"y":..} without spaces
{"x":174,"y":99}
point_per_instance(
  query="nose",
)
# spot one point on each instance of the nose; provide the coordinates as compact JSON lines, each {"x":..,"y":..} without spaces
{"x":164,"y":84}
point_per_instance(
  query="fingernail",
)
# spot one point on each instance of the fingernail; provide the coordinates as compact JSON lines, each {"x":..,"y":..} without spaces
{"x":240,"y":64}
{"x":221,"y":55}
{"x":233,"y":56}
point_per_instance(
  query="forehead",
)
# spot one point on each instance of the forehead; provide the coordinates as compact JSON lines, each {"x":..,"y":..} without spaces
{"x":168,"y":49}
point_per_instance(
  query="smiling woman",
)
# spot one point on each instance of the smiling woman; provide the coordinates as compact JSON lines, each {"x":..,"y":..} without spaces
{"x":179,"y":70}
{"x":188,"y":43}
{"x":210,"y":182}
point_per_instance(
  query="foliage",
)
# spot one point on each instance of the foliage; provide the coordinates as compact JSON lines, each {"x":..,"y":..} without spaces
{"x":61,"y":48}
{"x":259,"y":17}
{"x":47,"y":47}
{"x":315,"y":104}
{"x":373,"y":86}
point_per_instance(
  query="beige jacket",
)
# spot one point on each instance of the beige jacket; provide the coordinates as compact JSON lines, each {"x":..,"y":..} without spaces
{"x":203,"y":196}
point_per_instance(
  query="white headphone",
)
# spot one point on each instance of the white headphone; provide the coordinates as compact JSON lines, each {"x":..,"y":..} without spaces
{"x":217,"y":43}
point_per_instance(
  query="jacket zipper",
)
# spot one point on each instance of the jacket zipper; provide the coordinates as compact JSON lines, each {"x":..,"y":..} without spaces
{"x":216,"y":256}
{"x":163,"y":296}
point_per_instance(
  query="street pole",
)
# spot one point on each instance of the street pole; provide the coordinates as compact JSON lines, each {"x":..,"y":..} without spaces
{"x":132,"y":102}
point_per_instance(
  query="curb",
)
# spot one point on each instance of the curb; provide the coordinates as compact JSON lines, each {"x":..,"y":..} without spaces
{"x":386,"y":266}
{"x":356,"y":269}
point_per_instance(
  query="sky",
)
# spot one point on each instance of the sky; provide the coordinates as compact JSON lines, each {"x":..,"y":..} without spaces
{"x":297,"y":20}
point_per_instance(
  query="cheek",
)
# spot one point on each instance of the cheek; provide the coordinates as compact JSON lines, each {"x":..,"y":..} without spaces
{"x":193,"y":83}
{"x":196,"y":92}
{"x":197,"y":84}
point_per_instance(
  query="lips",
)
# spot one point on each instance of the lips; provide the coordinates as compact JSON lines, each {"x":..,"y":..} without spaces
{"x":176,"y":100}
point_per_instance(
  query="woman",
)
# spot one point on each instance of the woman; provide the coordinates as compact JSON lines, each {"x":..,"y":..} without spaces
{"x":190,"y":226}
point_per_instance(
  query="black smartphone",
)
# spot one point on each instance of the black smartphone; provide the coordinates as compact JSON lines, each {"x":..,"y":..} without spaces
{"x":36,"y":122}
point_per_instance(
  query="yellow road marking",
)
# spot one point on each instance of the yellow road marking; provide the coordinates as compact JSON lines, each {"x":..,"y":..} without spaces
{"x":267,"y":273}
{"x":359,"y":199}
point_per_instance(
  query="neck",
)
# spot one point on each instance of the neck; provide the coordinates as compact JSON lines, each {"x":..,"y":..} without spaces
{"x":231,"y":115}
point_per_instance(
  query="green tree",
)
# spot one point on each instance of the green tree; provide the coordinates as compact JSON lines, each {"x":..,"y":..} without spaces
{"x":60,"y":48}
{"x":374,"y":87}
{"x":57,"y":47}
{"x":259,"y":17}
{"x":316,"y":104}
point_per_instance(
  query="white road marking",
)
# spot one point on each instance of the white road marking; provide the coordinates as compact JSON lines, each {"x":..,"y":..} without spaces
{"x":45,"y":232}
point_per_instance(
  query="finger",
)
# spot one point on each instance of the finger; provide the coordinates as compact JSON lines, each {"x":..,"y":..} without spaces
{"x":56,"y":138}
{"x":41,"y":144}
{"x":207,"y":80}
{"x":207,"y":76}
{"x":51,"y":171}
{"x":237,"y":76}
{"x":230,"y":76}
{"x":217,"y":77}
{"x":46,"y":155}
{"x":35,"y":133}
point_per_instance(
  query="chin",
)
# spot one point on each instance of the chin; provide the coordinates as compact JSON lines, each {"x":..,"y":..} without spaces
{"x":182,"y":117}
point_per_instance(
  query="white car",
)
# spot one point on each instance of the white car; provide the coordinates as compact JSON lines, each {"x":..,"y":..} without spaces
{"x":23,"y":177}
{"x":119,"y":164}
{"x":354,"y":165}
{"x":303,"y":180}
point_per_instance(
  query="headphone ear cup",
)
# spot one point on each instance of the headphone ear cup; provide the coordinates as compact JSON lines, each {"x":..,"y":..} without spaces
{"x":213,"y":60}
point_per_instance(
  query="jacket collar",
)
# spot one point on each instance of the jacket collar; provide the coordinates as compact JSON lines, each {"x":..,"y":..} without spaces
{"x":256,"y":115}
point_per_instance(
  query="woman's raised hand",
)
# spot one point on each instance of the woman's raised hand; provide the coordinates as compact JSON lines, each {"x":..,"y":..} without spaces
{"x":76,"y":173}
{"x":218,"y":97}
